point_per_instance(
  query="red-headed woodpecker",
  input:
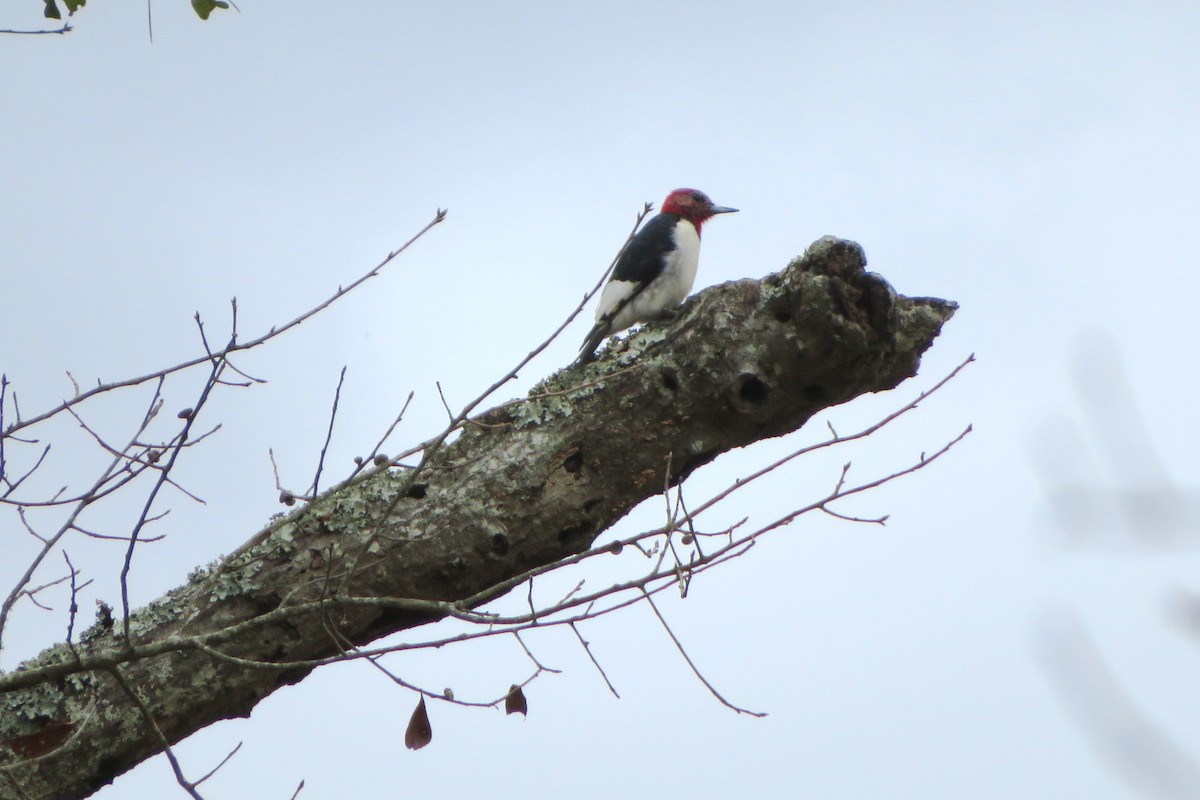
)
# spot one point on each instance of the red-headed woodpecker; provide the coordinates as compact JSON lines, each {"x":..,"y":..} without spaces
{"x":657,"y":269}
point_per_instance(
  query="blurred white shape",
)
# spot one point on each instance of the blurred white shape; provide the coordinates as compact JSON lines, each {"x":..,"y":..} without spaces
{"x":1107,"y":484}
{"x":1123,"y":737}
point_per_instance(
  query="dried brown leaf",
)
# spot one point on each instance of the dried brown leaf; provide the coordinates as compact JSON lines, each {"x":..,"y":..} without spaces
{"x":419,"y":732}
{"x":514,"y":702}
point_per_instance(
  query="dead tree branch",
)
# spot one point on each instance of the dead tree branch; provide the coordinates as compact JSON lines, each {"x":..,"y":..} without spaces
{"x":532,"y":486}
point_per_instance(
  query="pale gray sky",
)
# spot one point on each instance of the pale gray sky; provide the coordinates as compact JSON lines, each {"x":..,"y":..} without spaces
{"x":1036,"y":162}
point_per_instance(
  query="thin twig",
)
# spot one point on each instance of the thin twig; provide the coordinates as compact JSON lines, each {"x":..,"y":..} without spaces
{"x":351,"y":651}
{"x":233,"y":347}
{"x":370,"y":459}
{"x":678,"y":646}
{"x":66,"y":28}
{"x":587,"y":649}
{"x":541,"y":667}
{"x":13,"y":485}
{"x":144,"y":517}
{"x":74,"y":608}
{"x":3,"y":457}
{"x":51,"y":541}
{"x":224,"y":761}
{"x":148,"y":717}
{"x":835,"y":440}
{"x":337,"y":396}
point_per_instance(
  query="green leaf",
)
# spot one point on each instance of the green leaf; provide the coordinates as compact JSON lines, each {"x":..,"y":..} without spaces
{"x":203,"y":7}
{"x":74,"y":5}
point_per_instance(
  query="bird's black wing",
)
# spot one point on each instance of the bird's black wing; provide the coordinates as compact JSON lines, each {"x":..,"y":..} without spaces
{"x":642,"y":261}
{"x":639,"y":264}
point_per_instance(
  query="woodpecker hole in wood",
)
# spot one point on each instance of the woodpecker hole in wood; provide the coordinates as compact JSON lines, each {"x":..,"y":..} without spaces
{"x":753,"y":390}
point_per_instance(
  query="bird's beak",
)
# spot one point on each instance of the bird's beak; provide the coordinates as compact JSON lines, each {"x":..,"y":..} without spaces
{"x":723,"y":210}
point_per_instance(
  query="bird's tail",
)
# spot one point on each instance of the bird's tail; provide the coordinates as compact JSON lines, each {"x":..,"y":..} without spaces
{"x":599,"y":331}
{"x":604,"y":327}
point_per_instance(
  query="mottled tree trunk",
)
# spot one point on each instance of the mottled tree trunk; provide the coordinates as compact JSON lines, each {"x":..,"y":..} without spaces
{"x":537,"y":481}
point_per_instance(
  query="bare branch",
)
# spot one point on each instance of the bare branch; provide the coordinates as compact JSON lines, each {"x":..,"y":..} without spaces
{"x":144,"y":517}
{"x":116,"y":538}
{"x":1124,"y":737}
{"x":232,"y":348}
{"x":148,"y":717}
{"x":14,"y":485}
{"x":678,"y":646}
{"x":541,"y":667}
{"x":74,"y":609}
{"x":66,"y":28}
{"x":359,"y":463}
{"x":72,"y":518}
{"x":835,"y":440}
{"x":337,"y":396}
{"x":587,"y":649}
{"x":224,"y":761}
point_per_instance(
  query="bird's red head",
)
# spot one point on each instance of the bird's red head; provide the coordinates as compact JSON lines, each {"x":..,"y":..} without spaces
{"x":692,"y":205}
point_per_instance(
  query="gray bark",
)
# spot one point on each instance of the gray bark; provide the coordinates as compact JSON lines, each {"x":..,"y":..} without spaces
{"x":538,"y":481}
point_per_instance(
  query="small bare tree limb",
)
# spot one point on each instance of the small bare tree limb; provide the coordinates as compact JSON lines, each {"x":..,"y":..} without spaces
{"x":692,"y":665}
{"x":337,"y":396}
{"x":591,"y":657}
{"x":233,"y":347}
{"x":66,"y":28}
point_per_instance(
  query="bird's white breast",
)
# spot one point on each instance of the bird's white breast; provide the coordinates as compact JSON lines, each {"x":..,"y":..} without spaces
{"x":666,"y":291}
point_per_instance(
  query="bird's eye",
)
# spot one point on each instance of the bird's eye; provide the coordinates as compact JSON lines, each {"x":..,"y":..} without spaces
{"x":699,"y":197}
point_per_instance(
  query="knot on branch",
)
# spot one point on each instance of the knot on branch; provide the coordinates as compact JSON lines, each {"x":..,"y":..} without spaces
{"x":864,"y":297}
